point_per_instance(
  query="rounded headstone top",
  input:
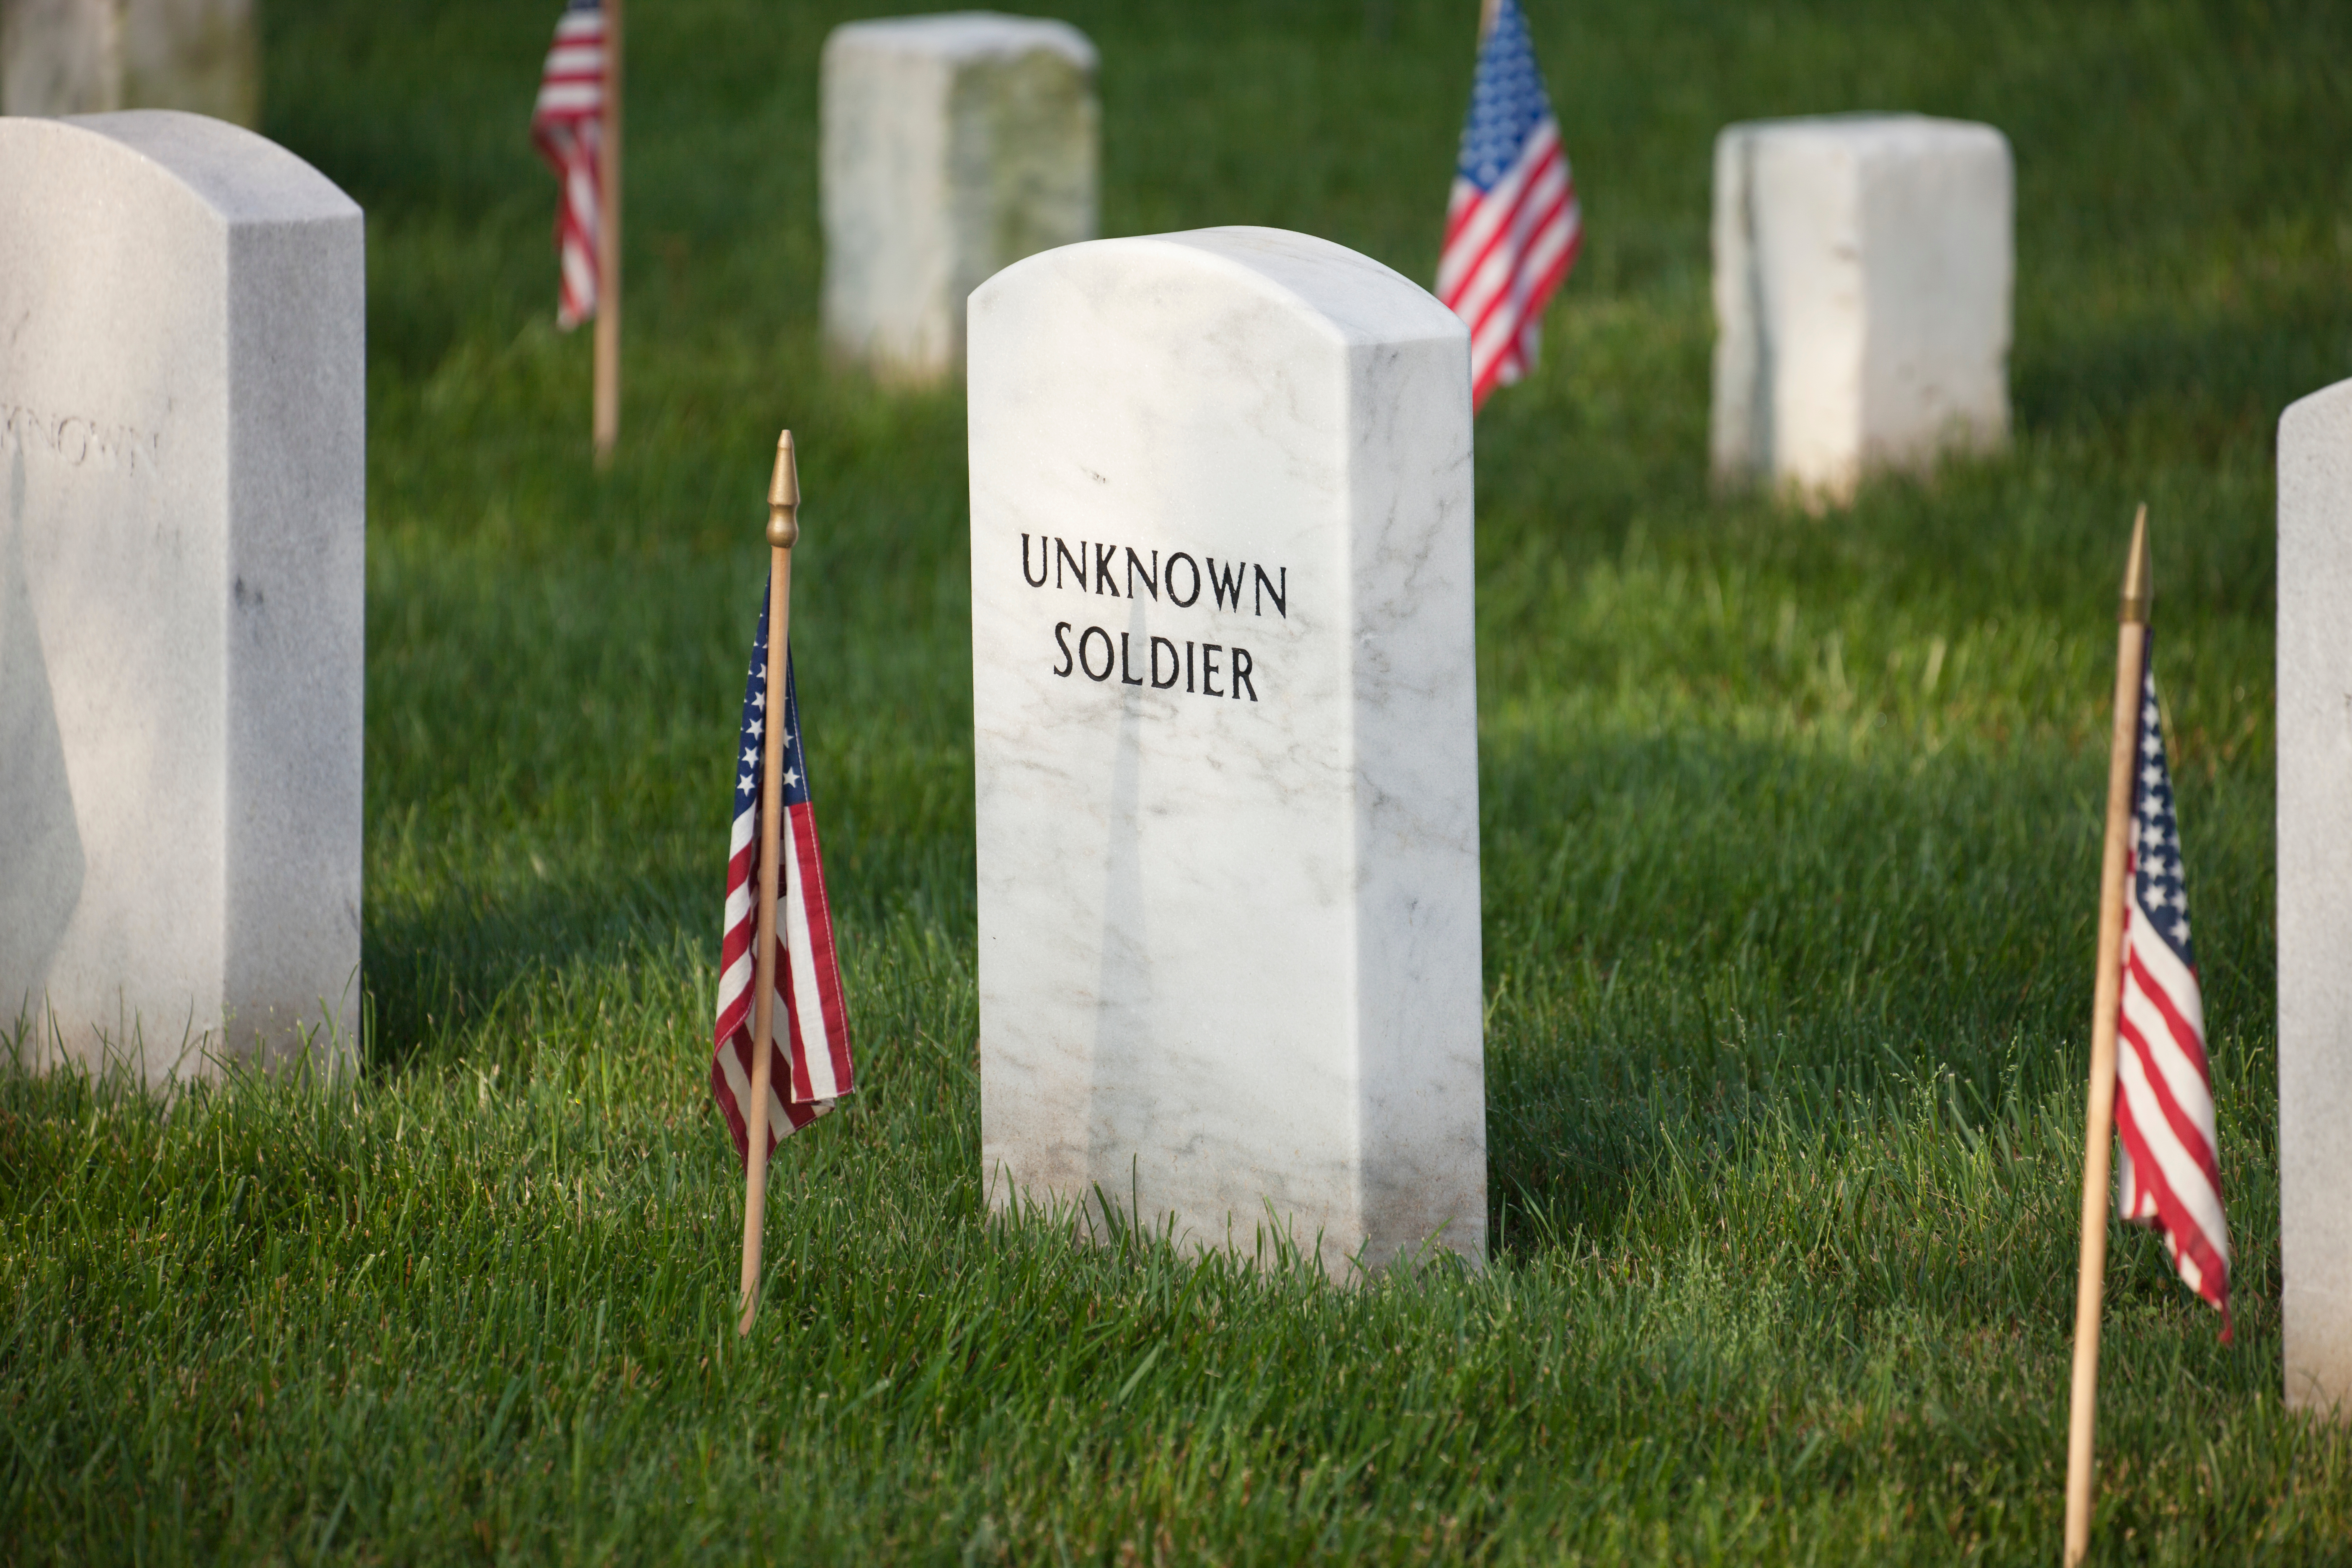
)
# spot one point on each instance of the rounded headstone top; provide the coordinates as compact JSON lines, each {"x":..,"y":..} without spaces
{"x":965,"y":35}
{"x":2331,"y":405}
{"x":242,"y":177}
{"x":2315,"y":468}
{"x":1353,"y":298}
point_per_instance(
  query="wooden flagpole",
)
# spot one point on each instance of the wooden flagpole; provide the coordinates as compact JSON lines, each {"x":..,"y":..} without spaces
{"x":2098,"y":1134}
{"x":784,"y":533}
{"x":606,"y":414}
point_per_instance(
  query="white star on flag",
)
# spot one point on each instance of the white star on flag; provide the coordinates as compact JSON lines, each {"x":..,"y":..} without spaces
{"x":809,"y":1041}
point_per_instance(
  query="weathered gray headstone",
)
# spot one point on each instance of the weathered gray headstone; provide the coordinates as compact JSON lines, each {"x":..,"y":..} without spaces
{"x":1225,"y":740}
{"x":2315,"y":894}
{"x":91,"y":57}
{"x":954,"y":146}
{"x":182,"y":507}
{"x":1863,"y":274}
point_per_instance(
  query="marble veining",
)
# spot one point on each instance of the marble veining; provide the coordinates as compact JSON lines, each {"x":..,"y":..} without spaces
{"x":1228,"y":845}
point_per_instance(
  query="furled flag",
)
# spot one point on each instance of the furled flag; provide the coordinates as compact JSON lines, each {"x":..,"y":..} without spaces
{"x":1512,"y":224}
{"x":2168,"y":1177}
{"x":810,"y":1037}
{"x":568,"y":125}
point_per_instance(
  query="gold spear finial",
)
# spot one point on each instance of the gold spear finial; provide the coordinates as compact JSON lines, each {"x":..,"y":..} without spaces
{"x":2137,"y":590}
{"x":784,"y":497}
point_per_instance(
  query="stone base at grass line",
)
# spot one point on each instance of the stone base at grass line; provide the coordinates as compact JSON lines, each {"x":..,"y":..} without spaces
{"x":181,"y":506}
{"x":1224,"y":719}
{"x":92,"y":57}
{"x":2314,"y":895}
{"x":1863,"y":277}
{"x":954,"y":146}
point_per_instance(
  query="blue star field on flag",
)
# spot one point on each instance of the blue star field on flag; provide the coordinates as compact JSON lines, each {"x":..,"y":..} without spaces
{"x":2169,"y":1164}
{"x":1507,"y":101}
{"x":2156,"y":830}
{"x":755,"y":724}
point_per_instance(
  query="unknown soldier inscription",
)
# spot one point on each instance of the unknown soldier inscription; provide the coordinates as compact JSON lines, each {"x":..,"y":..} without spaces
{"x":182,"y":427}
{"x":1229,"y":584}
{"x":1225,"y":746}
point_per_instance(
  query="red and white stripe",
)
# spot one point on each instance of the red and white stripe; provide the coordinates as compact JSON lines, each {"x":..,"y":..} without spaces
{"x":2169,"y":1175}
{"x":568,"y":125}
{"x":809,"y":1032}
{"x":808,"y":1044}
{"x":1507,"y":252}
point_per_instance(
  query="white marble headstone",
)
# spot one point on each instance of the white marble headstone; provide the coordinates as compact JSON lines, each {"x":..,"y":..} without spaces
{"x":90,"y":57}
{"x":1863,"y":274}
{"x":181,"y":429}
{"x":1225,"y":740}
{"x":2314,"y":895}
{"x":953,"y":145}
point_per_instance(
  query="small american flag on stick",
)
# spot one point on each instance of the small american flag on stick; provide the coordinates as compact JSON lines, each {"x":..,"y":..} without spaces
{"x":1512,"y":224}
{"x":2151,"y":1094}
{"x":810,"y":1066}
{"x":568,"y":126}
{"x":2170,"y":1174}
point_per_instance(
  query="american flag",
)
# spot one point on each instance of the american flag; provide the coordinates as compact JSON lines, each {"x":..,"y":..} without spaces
{"x":810,"y":1066}
{"x":1512,"y":224}
{"x":568,"y":125}
{"x":2168,"y":1177}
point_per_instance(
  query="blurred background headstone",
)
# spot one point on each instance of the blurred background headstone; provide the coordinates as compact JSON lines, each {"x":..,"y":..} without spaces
{"x":1863,"y":274}
{"x":90,"y":56}
{"x":954,"y":146}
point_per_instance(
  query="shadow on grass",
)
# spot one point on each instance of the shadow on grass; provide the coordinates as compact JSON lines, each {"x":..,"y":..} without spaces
{"x":459,"y":976}
{"x":1694,"y":940}
{"x":489,"y":974}
{"x":2196,"y":384}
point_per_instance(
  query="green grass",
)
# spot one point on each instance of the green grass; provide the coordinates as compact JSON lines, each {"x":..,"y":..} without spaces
{"x":1789,"y":833}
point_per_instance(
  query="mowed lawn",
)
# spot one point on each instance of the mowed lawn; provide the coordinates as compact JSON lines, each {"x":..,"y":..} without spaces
{"x":1790,"y":841}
